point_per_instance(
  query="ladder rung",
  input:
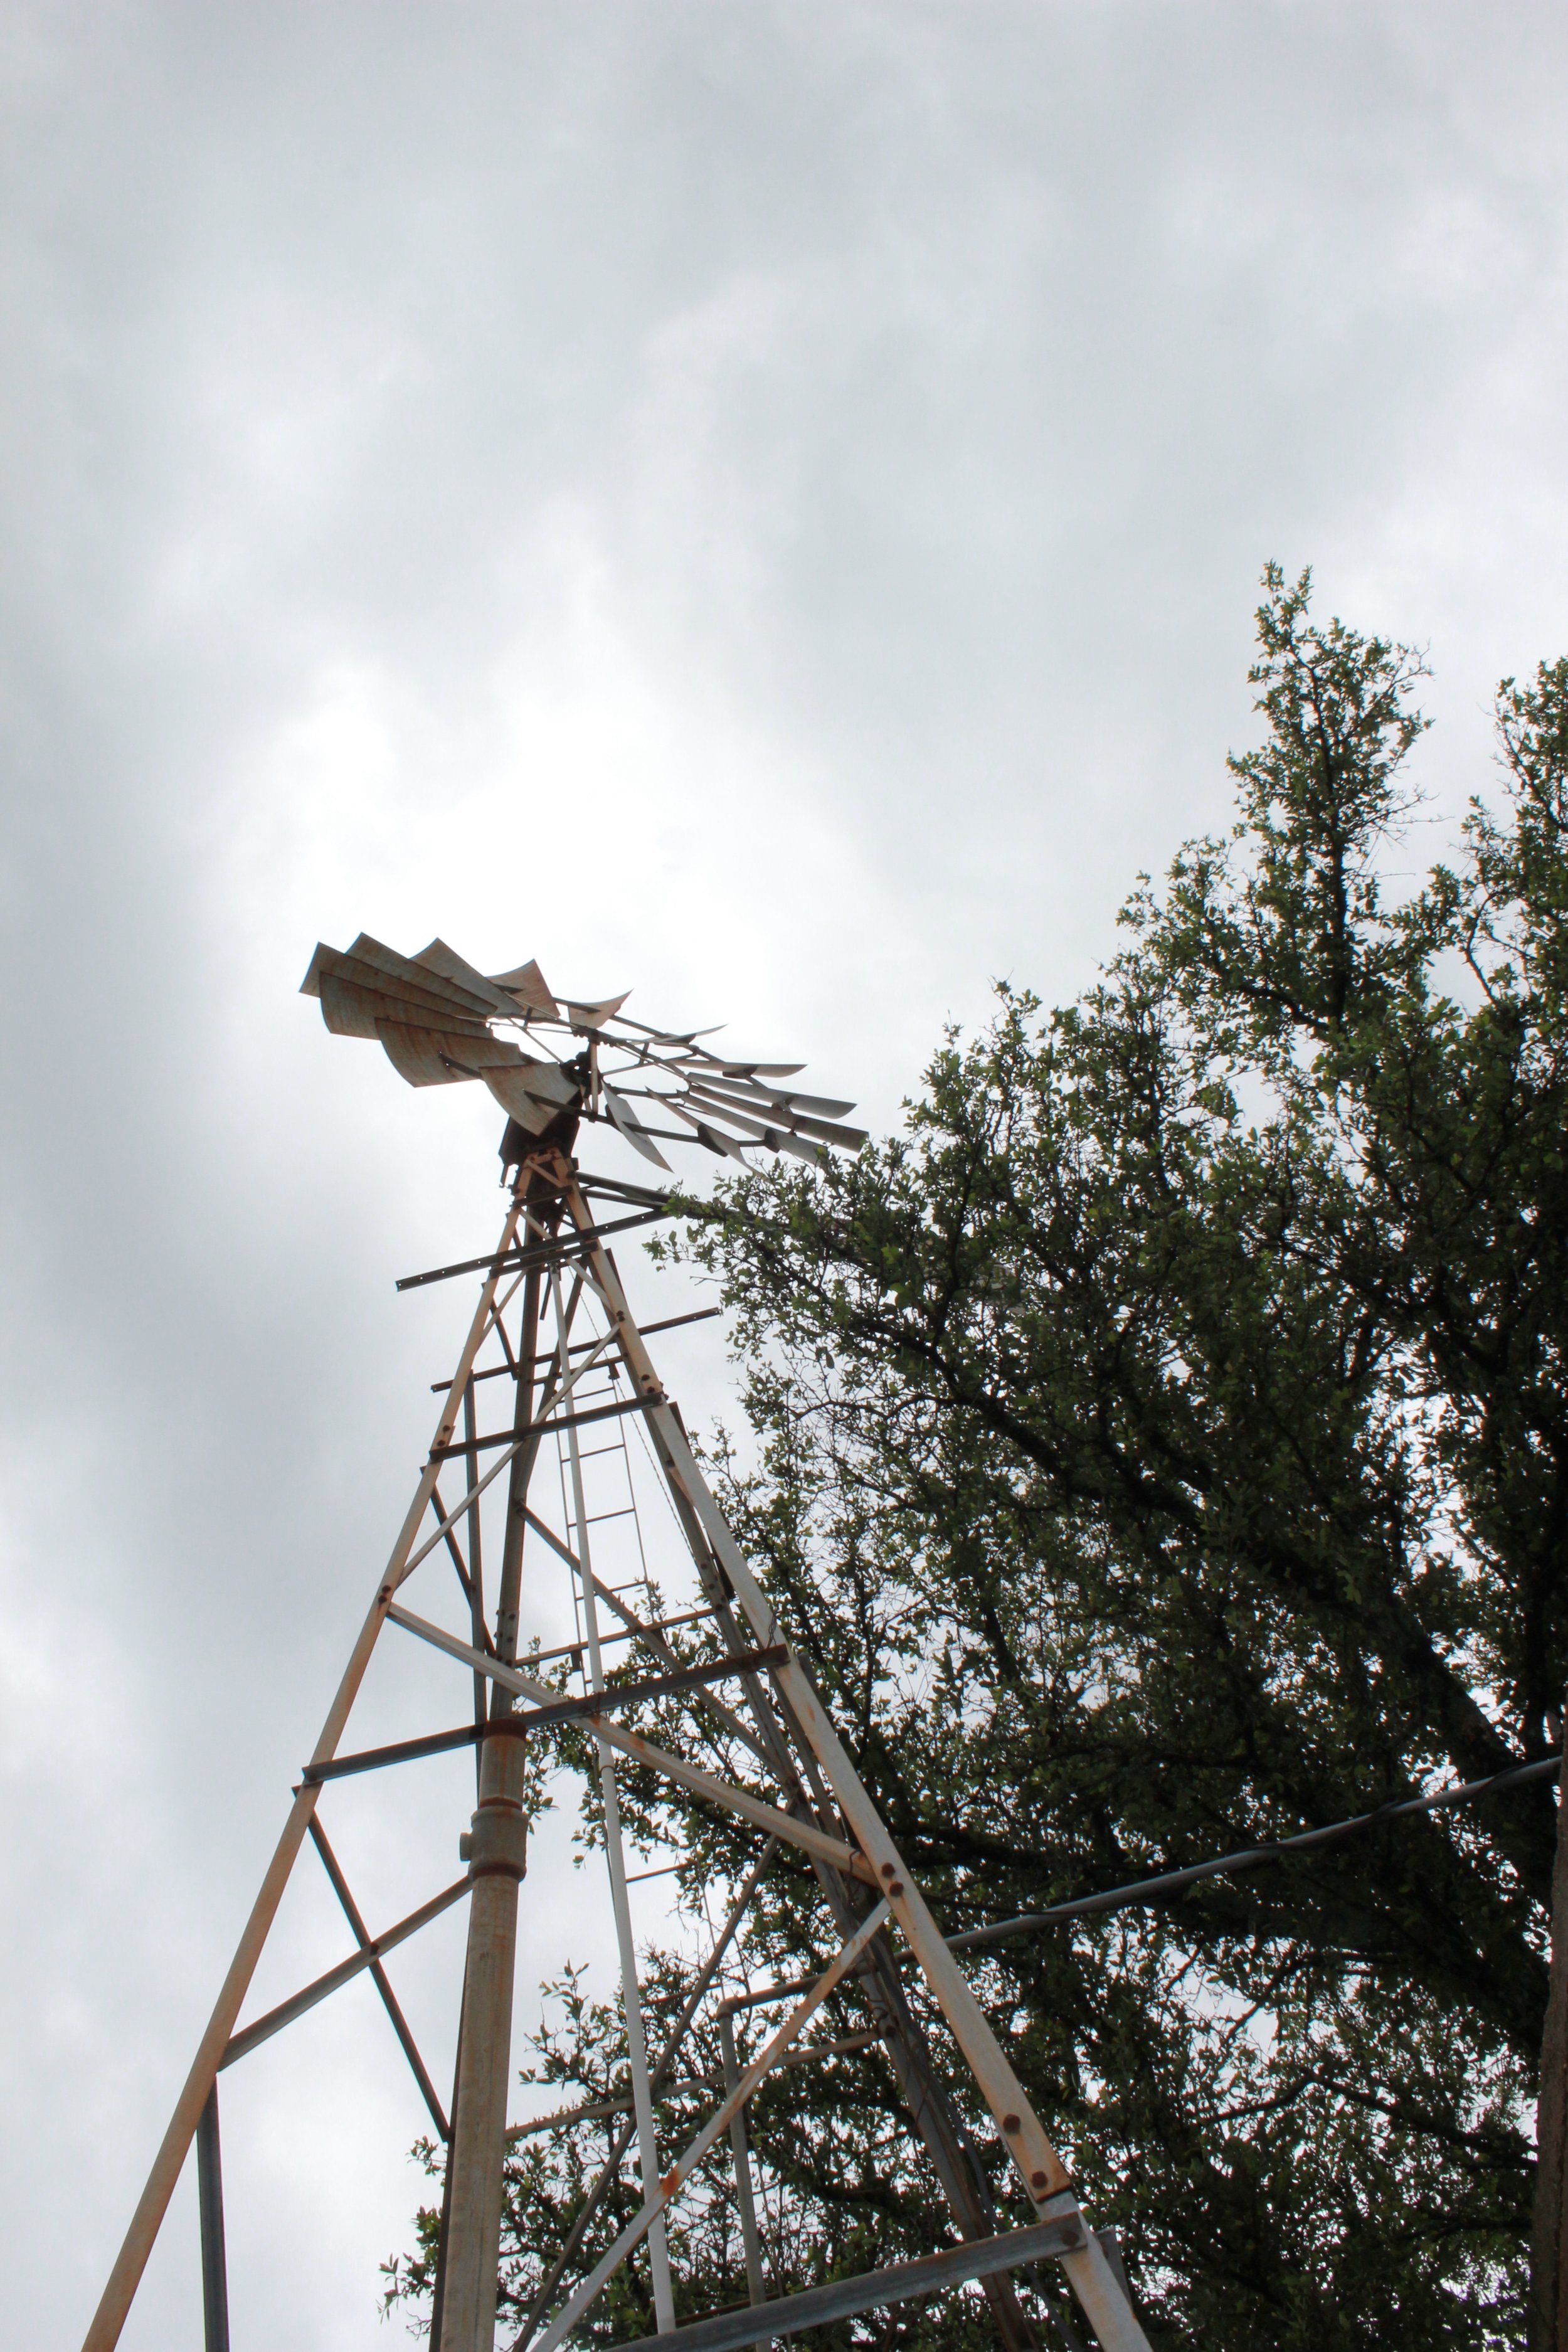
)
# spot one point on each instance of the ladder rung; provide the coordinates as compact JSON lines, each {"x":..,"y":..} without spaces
{"x":594,"y":1517}
{"x":575,"y":1649}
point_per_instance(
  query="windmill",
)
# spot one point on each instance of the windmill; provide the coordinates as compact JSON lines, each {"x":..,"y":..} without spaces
{"x":553,"y":1323}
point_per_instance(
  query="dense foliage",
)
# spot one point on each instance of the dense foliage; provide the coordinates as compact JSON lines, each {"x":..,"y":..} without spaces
{"x":1163,"y":1446}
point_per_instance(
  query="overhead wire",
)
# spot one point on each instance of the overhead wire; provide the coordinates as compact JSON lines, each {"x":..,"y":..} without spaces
{"x":1141,"y":1891}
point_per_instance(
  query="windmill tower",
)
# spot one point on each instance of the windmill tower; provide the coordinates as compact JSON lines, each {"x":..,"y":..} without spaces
{"x":553,"y":1326}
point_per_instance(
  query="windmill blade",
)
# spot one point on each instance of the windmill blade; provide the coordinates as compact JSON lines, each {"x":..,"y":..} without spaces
{"x":798,"y":1148}
{"x":754,"y":1129}
{"x":323,"y":955}
{"x":511,"y":1088}
{"x":438,"y":957}
{"x":717,"y":1141}
{"x":409,"y":978}
{"x":523,"y":1080}
{"x":625,"y":1119}
{"x":824,"y":1131}
{"x":422,"y":990}
{"x":351,"y":1010}
{"x":716,"y":1066}
{"x":669,"y":1037}
{"x":526,"y":986}
{"x":423,"y":1057}
{"x":747,"y":1090}
{"x":714,"y":1138}
{"x":815,"y":1105}
{"x":478,"y":1055}
{"x":594,"y":1016}
{"x":773,"y":1139}
{"x":432,"y":1013}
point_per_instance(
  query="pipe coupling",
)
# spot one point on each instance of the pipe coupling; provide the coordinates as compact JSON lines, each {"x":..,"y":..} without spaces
{"x":497,"y":1844}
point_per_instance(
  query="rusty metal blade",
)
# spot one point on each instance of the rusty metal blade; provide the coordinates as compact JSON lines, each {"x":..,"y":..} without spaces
{"x":533,"y":1092}
{"x":527,"y":986}
{"x":787,"y":1117}
{"x":439,"y":957}
{"x":815,"y":1105}
{"x":415,"y":979}
{"x":713,"y":1138}
{"x":312,"y":984}
{"x":824,"y":1131}
{"x":423,"y":1057}
{"x":594,"y":1016}
{"x":478,"y":1054}
{"x":798,"y":1148}
{"x":531,"y":1114}
{"x":625,"y":1119}
{"x":397,"y":1001}
{"x":748,"y":1125}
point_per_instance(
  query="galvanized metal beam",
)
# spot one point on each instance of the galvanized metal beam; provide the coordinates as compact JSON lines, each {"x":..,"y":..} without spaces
{"x":817,"y":2307}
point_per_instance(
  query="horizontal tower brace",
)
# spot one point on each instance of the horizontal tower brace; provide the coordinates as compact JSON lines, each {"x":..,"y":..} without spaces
{"x":591,"y":1705}
{"x":544,"y":1428}
{"x":727,"y":2331}
{"x":536,"y":1253}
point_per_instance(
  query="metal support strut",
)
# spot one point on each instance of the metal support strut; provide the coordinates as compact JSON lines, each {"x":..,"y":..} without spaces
{"x":215,"y":2258}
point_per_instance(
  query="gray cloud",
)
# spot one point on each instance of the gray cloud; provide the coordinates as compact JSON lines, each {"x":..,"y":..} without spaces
{"x":759,"y":503}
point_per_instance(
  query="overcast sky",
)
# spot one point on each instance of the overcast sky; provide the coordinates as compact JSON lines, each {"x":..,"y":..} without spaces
{"x":761,"y":504}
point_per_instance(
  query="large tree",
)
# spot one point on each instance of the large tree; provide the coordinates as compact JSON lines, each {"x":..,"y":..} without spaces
{"x":1162,"y":1447}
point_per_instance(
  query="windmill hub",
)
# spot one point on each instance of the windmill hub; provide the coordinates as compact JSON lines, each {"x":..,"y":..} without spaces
{"x":552,"y":1061}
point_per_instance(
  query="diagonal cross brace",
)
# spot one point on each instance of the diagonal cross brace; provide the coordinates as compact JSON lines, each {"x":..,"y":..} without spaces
{"x":764,"y":1816}
{"x":680,"y":2171}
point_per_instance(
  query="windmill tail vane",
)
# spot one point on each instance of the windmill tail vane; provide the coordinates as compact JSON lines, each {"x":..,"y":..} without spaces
{"x":553,"y":1325}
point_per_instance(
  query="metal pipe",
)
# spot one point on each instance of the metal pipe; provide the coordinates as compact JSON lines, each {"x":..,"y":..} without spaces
{"x":215,"y":2258}
{"x":476,"y":1567}
{"x":484,"y":2058}
{"x":439,"y":2294}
